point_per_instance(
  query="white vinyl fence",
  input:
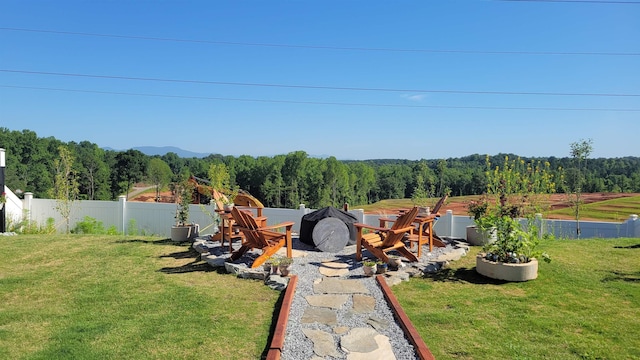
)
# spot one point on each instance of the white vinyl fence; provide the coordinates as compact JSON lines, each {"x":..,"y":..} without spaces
{"x":157,"y":218}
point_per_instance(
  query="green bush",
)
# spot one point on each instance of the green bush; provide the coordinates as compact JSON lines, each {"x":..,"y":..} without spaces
{"x":89,"y":226}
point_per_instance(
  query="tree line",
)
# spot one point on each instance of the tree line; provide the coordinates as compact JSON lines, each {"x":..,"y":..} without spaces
{"x":286,"y":180}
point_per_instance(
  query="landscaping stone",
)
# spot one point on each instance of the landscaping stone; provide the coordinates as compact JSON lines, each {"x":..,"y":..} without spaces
{"x":393,"y":280}
{"x":384,"y":350}
{"x":333,"y":269}
{"x":323,"y":343}
{"x":359,"y":340}
{"x":413,"y":271}
{"x":255,"y":274}
{"x":363,"y":303}
{"x":453,"y":255}
{"x":431,"y":268}
{"x":334,"y":264}
{"x":319,"y":315}
{"x":327,"y":300}
{"x":341,"y":330}
{"x":340,"y":286}
{"x":377,"y":322}
{"x":277,"y":282}
{"x":215,"y":261}
{"x":232,"y":268}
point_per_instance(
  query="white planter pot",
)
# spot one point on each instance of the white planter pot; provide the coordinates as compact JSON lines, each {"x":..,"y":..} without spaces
{"x":505,"y":271}
{"x":478,"y":237}
{"x":369,"y":270}
{"x":284,"y":270}
{"x":181,"y":233}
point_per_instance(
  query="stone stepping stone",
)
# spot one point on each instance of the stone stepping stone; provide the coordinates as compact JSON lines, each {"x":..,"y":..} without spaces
{"x":378,"y":323}
{"x":334,"y":264}
{"x":294,"y":253}
{"x":340,"y":286}
{"x":359,"y":340}
{"x":341,"y":330}
{"x":320,"y":315}
{"x":363,"y":303}
{"x":334,"y":269}
{"x":327,"y":300}
{"x":384,"y":351}
{"x":323,"y":344}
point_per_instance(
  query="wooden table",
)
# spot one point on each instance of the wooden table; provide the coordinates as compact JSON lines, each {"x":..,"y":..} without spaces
{"x":423,"y":221}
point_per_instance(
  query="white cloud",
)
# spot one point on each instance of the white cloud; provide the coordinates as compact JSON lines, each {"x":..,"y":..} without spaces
{"x":417,"y":98}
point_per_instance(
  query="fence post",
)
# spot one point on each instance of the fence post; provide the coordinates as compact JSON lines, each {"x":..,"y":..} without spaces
{"x":26,"y":206}
{"x":122,"y":213}
{"x":633,"y":226}
{"x":539,"y":224}
{"x":3,"y":210}
{"x":449,"y":216}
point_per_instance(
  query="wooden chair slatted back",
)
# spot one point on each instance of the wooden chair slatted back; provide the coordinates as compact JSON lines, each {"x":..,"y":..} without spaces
{"x":439,"y":204}
{"x":249,"y":227}
{"x":401,"y":222}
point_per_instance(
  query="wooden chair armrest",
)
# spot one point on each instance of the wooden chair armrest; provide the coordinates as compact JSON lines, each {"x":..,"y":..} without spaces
{"x":400,"y":231}
{"x":371,"y":227}
{"x":288,"y":225}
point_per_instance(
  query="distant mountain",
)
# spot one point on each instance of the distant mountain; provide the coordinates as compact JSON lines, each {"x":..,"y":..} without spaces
{"x":162,"y":150}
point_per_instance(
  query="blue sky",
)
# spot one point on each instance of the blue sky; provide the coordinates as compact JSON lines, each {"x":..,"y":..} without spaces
{"x":395,"y":57}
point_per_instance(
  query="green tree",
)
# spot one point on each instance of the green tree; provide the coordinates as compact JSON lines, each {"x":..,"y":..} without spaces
{"x":273,"y":186}
{"x":93,"y":171}
{"x":159,"y":174}
{"x":441,"y":171}
{"x":580,"y":151}
{"x":363,"y":180}
{"x":219,"y":177}
{"x":130,"y":167}
{"x":65,"y":189}
{"x":292,"y":175}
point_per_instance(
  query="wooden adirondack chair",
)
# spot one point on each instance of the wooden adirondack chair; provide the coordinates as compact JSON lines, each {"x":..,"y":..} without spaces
{"x":384,"y":240}
{"x":264,"y":238}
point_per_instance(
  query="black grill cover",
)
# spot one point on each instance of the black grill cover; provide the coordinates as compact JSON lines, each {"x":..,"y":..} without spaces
{"x":310,"y":220}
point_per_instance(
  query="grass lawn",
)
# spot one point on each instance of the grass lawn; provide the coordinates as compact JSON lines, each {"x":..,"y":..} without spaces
{"x":113,"y":297}
{"x":585,"y":304}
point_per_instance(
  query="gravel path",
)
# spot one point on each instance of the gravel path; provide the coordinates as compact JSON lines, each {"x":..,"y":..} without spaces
{"x":297,"y":346}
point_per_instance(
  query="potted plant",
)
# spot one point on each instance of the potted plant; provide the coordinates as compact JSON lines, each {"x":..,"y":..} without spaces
{"x":284,"y":266}
{"x":369,"y":267}
{"x":381,"y":267}
{"x":183,"y":231}
{"x":477,"y":210}
{"x":275,"y":264}
{"x":228,"y":198}
{"x":517,"y":191}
